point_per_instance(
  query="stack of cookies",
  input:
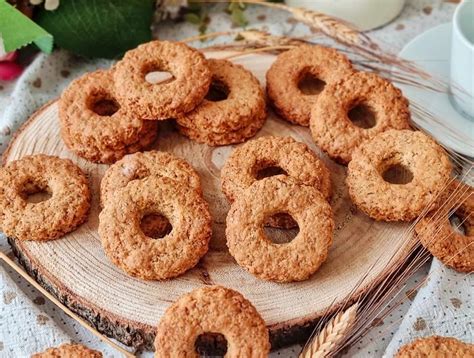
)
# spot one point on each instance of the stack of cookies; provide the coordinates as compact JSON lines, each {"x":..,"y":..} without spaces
{"x":233,"y":110}
{"x":107,"y":114}
{"x":296,"y":193}
{"x":152,"y":195}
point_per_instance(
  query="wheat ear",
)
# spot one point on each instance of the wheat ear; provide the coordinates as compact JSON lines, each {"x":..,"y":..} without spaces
{"x":332,"y":334}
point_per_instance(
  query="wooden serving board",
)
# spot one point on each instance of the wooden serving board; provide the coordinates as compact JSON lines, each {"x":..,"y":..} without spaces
{"x":76,"y":269}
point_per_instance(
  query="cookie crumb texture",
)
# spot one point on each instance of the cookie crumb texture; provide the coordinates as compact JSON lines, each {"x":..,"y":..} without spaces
{"x":333,"y":130}
{"x":141,"y":165}
{"x":191,"y":80}
{"x":436,"y":346}
{"x":50,"y":219}
{"x":233,"y":119}
{"x":293,"y":157}
{"x":290,"y":67}
{"x":381,"y":200}
{"x":253,"y":250}
{"x":155,"y":259}
{"x":435,"y":232}
{"x":212,"y":309}
{"x":69,"y":351}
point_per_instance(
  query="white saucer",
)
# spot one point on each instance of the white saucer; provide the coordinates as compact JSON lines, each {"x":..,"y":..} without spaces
{"x":431,"y":52}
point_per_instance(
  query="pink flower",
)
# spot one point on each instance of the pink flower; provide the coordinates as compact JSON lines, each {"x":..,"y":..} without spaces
{"x":9,"y":69}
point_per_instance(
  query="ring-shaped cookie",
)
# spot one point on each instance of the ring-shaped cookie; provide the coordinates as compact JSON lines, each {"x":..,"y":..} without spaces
{"x":436,"y":233}
{"x":231,"y":137}
{"x":91,"y":116}
{"x":143,"y":164}
{"x":293,"y":158}
{"x":212,"y":309}
{"x":253,"y":250}
{"x":190,"y":83}
{"x":414,"y":151}
{"x":50,"y":219}
{"x":291,"y":67}
{"x":332,"y":129}
{"x":244,"y":102}
{"x":155,"y":259}
{"x":436,"y":346}
{"x":108,"y":156}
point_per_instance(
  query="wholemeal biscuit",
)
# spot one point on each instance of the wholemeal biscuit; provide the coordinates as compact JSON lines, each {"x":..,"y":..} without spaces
{"x":244,"y":102}
{"x":129,"y":248}
{"x":213,"y":309}
{"x":141,"y":165}
{"x":291,"y":67}
{"x":50,"y":219}
{"x":333,"y":130}
{"x":253,"y":250}
{"x":436,"y":346}
{"x":294,"y":158}
{"x":436,"y":233}
{"x":425,"y":160}
{"x":233,"y":137}
{"x":190,"y":83}
{"x":69,"y":351}
{"x":108,"y":156}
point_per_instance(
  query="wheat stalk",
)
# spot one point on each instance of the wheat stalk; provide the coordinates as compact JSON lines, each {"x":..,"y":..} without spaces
{"x":264,"y":38}
{"x":336,"y":28}
{"x":332,"y":334}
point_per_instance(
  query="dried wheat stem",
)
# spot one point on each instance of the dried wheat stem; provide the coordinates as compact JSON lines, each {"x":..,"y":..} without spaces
{"x":262,"y":49}
{"x":206,"y":36}
{"x":66,"y":310}
{"x":332,"y":334}
{"x":335,"y":28}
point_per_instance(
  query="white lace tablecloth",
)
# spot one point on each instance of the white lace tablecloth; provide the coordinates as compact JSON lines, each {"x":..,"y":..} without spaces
{"x":29,"y":323}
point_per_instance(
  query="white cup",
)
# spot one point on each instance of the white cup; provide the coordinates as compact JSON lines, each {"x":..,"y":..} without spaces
{"x":462,"y":59}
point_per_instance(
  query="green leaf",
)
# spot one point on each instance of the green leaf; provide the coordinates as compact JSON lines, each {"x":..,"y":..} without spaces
{"x":238,"y":17}
{"x":17,"y":30}
{"x":192,"y":18}
{"x":99,"y":28}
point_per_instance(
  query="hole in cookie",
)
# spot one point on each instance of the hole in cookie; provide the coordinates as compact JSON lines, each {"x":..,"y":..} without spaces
{"x":269,"y":171}
{"x":36,"y":193}
{"x":362,"y":116}
{"x":155,"y":226}
{"x":287,"y":230}
{"x":211,"y":344}
{"x":103,"y":105}
{"x":310,"y":84}
{"x":218,"y":91}
{"x":397,"y":174}
{"x":458,"y":223}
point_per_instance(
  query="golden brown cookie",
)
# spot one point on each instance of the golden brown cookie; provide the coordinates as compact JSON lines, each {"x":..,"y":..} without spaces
{"x":108,"y":156}
{"x":155,"y":259}
{"x":427,"y":171}
{"x":332,"y":128}
{"x":248,"y":162}
{"x":212,"y":309}
{"x":291,"y":67}
{"x":50,"y":219}
{"x":253,"y":250}
{"x":241,"y":102}
{"x":436,"y":233}
{"x":90,"y":114}
{"x":436,"y":346}
{"x":217,"y":139}
{"x":190,"y":83}
{"x":69,"y":351}
{"x":141,"y":165}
